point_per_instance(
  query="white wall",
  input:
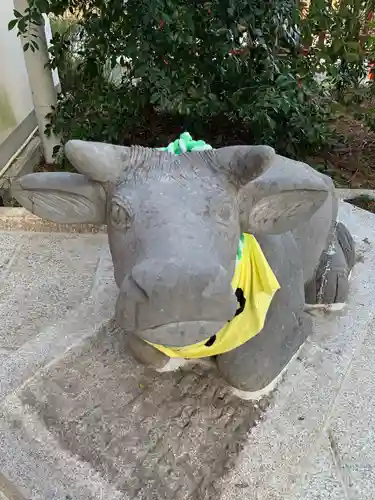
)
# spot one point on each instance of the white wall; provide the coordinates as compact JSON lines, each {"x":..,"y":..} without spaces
{"x":15,"y":95}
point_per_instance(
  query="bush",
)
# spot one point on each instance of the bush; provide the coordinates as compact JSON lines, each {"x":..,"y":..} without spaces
{"x":229,"y":71}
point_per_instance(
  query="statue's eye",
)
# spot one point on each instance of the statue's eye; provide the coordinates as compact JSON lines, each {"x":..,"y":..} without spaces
{"x":120,"y":217}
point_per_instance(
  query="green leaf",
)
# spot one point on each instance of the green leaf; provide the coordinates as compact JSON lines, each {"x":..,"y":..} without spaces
{"x":42,"y":5}
{"x":223,"y":95}
{"x":351,"y":57}
{"x":17,"y":14}
{"x":26,"y":46}
{"x":22,"y":25}
{"x":12,"y":24}
{"x":353,"y":46}
{"x":337,"y":45}
{"x":35,"y":16}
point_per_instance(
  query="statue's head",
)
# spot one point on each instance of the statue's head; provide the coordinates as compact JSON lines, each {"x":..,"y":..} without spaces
{"x":173,"y":225}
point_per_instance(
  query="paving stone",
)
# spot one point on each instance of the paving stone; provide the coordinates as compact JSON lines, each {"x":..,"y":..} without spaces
{"x":8,"y":491}
{"x":4,"y":355}
{"x":80,"y":419}
{"x":323,"y":481}
{"x":352,"y":423}
{"x":279,"y":451}
{"x":349,"y":436}
{"x":9,"y":245}
{"x":50,"y":274}
{"x":80,"y":323}
{"x":20,"y":219}
{"x":33,"y":461}
{"x":148,"y":435}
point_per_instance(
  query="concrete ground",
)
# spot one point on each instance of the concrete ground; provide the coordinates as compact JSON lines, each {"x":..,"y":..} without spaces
{"x":80,"y":420}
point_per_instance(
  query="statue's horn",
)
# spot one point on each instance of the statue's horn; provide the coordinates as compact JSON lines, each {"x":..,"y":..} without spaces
{"x":106,"y":162}
{"x":97,"y":160}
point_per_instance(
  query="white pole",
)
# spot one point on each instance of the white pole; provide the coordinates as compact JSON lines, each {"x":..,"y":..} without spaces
{"x":41,"y":81}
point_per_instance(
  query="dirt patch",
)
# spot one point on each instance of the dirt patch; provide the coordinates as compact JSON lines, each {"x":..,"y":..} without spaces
{"x":58,"y":167}
{"x":7,"y":201}
{"x":364,"y":202}
{"x":350,"y":160}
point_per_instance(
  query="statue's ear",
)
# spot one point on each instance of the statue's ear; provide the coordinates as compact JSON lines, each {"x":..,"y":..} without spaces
{"x":61,"y":197}
{"x":278,"y":213}
{"x":285,"y":196}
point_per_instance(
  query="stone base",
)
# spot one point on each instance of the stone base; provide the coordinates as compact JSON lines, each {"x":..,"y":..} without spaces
{"x":80,"y":419}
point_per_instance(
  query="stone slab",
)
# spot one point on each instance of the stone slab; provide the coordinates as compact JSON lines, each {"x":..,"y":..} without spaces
{"x":352,"y":423}
{"x":80,"y":419}
{"x":52,"y":341}
{"x":4,"y":355}
{"x":351,"y":194}
{"x":22,"y":463}
{"x":323,"y":481}
{"x":20,"y":219}
{"x":10,"y":244}
{"x":146,"y":435}
{"x":277,"y":452}
{"x":44,"y":277}
{"x":343,"y":464}
{"x":8,"y":491}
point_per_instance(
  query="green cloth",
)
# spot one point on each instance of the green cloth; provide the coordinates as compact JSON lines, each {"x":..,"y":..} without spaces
{"x":185,"y":144}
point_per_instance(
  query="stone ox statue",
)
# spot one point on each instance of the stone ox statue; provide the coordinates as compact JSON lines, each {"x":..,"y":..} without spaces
{"x":174,"y":224}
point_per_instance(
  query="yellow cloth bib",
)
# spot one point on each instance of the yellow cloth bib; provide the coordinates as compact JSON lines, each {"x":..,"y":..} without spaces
{"x":254,"y":277}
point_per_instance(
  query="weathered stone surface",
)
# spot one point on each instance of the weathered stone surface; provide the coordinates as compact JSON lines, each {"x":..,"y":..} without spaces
{"x":150,"y":436}
{"x":47,"y":277}
{"x":324,"y":480}
{"x":4,"y":355}
{"x":174,"y":224}
{"x":20,"y":219}
{"x":352,"y":423}
{"x":9,"y":491}
{"x":9,"y":245}
{"x":80,"y":419}
{"x":80,"y":322}
{"x":277,"y":461}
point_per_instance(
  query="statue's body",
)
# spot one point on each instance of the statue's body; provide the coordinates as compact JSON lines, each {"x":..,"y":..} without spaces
{"x":174,"y":224}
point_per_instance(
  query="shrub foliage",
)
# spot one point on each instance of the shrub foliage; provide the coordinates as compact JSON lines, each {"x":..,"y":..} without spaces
{"x":229,"y":71}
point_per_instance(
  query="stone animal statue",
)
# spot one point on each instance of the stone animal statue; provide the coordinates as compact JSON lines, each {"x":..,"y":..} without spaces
{"x":174,"y":223}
